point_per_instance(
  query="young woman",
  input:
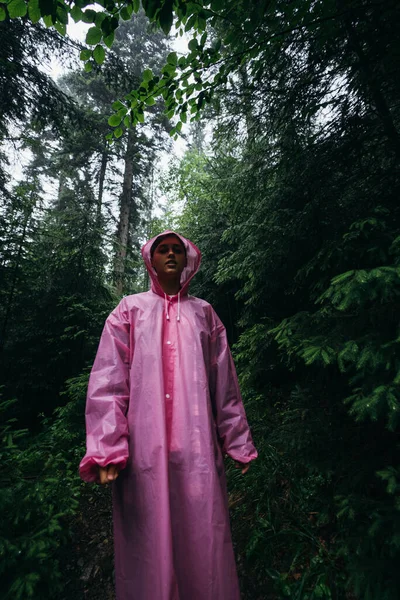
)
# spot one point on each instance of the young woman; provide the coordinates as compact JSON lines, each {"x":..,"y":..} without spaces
{"x":163,"y":407}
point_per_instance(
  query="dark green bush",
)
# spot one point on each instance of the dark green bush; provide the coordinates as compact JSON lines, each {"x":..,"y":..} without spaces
{"x":39,"y":495}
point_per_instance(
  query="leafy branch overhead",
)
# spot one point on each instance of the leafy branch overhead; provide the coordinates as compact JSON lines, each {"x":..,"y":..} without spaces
{"x":188,"y":82}
{"x":177,"y":92}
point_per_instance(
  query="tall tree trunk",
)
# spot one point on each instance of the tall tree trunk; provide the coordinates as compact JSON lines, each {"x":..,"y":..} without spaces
{"x":149,"y":231}
{"x":247,"y":105}
{"x":124,"y":216}
{"x":102,"y":175}
{"x":61,"y":192}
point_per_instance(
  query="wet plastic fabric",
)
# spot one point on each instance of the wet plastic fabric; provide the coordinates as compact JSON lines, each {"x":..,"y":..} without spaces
{"x":164,"y":403}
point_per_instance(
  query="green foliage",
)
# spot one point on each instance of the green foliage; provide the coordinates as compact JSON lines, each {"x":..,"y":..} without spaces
{"x":30,"y":91}
{"x":99,"y":54}
{"x":93,"y":36}
{"x":17,"y":8}
{"x":295,"y":208}
{"x":308,"y":245}
{"x":40,"y":491}
{"x":54,"y":299}
{"x":243,"y":41}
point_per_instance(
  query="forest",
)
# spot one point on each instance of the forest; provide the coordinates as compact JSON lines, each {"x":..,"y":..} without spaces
{"x":289,"y":115}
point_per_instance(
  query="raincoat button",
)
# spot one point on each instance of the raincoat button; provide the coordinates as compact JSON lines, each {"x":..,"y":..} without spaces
{"x":168,"y":342}
{"x":167,"y":396}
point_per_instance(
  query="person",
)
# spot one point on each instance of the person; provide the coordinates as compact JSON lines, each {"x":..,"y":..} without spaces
{"x":163,"y":408}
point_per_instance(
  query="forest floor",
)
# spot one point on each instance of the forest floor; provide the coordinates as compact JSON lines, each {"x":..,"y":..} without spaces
{"x":89,"y":567}
{"x":87,"y":561}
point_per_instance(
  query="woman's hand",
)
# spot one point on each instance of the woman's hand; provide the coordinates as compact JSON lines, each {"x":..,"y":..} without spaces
{"x":108,"y":474}
{"x":244,"y":466}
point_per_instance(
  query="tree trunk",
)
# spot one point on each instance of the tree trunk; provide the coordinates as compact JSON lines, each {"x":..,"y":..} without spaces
{"x":124,"y":217}
{"x":61,"y":192}
{"x":247,"y":105}
{"x":102,"y":175}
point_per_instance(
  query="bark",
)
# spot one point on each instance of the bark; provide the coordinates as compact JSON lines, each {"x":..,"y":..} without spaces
{"x":61,"y":192}
{"x":247,"y":105}
{"x":124,"y":217}
{"x":102,"y":175}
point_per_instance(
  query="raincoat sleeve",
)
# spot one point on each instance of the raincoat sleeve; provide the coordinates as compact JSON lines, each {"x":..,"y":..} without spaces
{"x":107,"y":399}
{"x":230,"y":416}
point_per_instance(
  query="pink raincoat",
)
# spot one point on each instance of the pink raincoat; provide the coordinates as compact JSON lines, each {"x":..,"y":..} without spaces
{"x":163,"y":403}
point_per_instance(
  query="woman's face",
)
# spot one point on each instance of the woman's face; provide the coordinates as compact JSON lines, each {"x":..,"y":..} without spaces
{"x":169,"y":258}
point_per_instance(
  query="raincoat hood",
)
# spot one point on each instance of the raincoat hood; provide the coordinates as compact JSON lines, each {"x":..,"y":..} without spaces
{"x":193,"y":257}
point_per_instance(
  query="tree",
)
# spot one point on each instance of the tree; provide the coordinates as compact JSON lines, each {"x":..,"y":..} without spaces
{"x":135,"y":48}
{"x":310,"y":243}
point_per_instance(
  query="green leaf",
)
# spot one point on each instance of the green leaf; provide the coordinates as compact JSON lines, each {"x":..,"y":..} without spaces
{"x":88,"y":67}
{"x":182,"y":62}
{"x":109,"y":39}
{"x":136,"y":5}
{"x":99,"y":54}
{"x":93,"y":36}
{"x":117,"y":105}
{"x":165,"y":17}
{"x":193,"y":44}
{"x":60,"y":27}
{"x":100,"y":17}
{"x":85,"y":54}
{"x":168,"y":69}
{"x":3,"y":14}
{"x":126,"y":12}
{"x":191,"y":22}
{"x":47,"y":7}
{"x":150,"y":101}
{"x":201,"y":24}
{"x":147,"y":75}
{"x":150,"y":8}
{"x":34,"y":11}
{"x":62,"y":14}
{"x":115,"y":120}
{"x":48,"y":20}
{"x":127,"y":121}
{"x":89,"y":16}
{"x":76,"y":13}
{"x":172,"y":59}
{"x":17,"y":8}
{"x":118,"y":132}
